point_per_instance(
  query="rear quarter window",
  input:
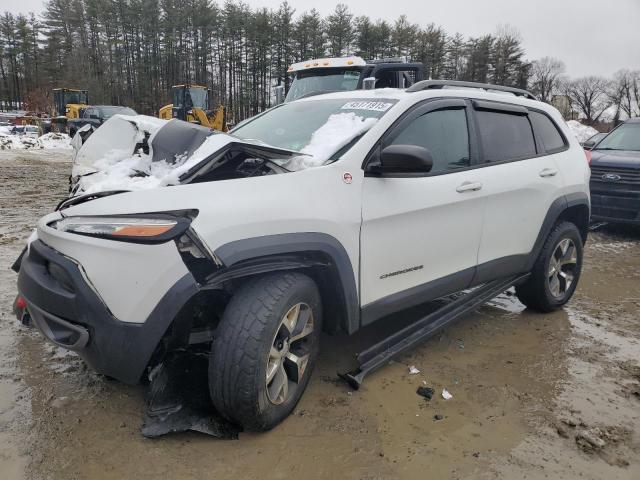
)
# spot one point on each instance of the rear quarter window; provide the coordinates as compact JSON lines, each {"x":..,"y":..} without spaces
{"x":547,"y":132}
{"x":505,"y":136}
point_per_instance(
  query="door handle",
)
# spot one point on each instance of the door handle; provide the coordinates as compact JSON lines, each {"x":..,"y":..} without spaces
{"x":548,"y":172}
{"x":469,"y":187}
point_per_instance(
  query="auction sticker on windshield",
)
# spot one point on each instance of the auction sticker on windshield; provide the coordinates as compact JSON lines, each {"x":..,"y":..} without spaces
{"x":367,"y":105}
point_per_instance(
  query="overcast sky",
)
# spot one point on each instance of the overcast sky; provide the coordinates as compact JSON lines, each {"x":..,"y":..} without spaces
{"x":590,"y":36}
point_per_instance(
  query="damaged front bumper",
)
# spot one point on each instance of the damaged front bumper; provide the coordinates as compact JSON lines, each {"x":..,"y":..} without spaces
{"x":64,"y":307}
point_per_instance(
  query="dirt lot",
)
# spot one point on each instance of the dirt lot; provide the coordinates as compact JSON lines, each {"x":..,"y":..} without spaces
{"x":554,"y":396}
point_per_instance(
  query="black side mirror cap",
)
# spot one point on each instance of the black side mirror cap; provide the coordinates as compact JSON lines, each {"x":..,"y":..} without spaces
{"x":400,"y":159}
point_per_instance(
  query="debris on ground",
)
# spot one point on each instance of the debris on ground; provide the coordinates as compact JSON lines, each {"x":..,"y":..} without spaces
{"x":178,"y":399}
{"x":426,"y":392}
{"x":437,"y":417}
{"x":446,"y":395}
{"x":413,"y":370}
{"x":589,"y":440}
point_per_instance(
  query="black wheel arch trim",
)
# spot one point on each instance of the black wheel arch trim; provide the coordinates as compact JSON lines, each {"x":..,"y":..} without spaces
{"x":265,"y":248}
{"x":555,"y":211}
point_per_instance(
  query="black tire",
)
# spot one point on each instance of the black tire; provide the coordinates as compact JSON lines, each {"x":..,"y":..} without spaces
{"x":252,"y":323}
{"x":536,"y":293}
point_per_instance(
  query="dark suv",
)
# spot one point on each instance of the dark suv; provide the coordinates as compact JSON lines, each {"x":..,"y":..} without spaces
{"x":96,"y":115}
{"x":615,"y":175}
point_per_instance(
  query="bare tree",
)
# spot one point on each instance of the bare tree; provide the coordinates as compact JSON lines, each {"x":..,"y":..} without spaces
{"x":624,"y":93}
{"x":546,"y":76}
{"x":589,"y":96}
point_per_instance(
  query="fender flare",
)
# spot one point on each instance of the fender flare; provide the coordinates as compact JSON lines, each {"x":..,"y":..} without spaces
{"x":269,"y":246}
{"x":556,"y":209}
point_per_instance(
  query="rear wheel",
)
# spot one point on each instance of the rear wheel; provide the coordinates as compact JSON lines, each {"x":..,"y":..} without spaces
{"x":265,"y":349}
{"x":556,"y":272}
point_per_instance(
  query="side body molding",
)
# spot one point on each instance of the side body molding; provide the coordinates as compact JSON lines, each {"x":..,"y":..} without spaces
{"x":302,"y":243}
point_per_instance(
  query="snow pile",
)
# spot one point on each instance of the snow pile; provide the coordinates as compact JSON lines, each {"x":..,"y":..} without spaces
{"x":55,"y":140}
{"x":580,"y":131}
{"x":10,"y":142}
{"x":49,"y":141}
{"x":338,"y":131}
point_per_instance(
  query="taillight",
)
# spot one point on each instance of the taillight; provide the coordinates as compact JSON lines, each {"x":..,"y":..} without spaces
{"x":587,"y":153}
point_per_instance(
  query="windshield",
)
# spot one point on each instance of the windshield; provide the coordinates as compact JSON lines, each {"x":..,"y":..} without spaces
{"x":75,"y":97}
{"x":323,"y":80}
{"x":625,"y":137}
{"x":108,"y":112}
{"x":198,"y":98}
{"x":318,"y":128}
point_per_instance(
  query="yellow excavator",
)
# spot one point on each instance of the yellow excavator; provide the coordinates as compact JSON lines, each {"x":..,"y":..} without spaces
{"x":68,"y":104}
{"x":191,"y":104}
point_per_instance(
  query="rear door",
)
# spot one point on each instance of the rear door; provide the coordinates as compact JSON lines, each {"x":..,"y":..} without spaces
{"x":420,"y":232}
{"x":520,"y":181}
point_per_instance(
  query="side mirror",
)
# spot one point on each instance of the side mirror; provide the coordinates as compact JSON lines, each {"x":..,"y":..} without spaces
{"x":404,"y":159}
{"x":279,"y":94}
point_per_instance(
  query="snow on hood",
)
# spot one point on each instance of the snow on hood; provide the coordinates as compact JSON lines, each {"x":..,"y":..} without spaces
{"x":112,"y":157}
{"x":580,"y":131}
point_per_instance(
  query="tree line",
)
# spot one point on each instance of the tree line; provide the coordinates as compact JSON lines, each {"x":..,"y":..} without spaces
{"x":130,"y":52}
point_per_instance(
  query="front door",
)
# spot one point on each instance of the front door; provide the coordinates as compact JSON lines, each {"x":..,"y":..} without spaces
{"x":420,"y":233}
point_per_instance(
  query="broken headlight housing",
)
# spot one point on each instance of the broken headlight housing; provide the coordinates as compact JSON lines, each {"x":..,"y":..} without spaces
{"x":137,"y":229}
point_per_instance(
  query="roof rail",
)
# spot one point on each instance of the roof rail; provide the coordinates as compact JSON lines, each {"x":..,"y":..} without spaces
{"x":438,"y":84}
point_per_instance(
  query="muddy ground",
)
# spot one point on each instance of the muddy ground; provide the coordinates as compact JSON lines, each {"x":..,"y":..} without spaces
{"x":534,"y":396}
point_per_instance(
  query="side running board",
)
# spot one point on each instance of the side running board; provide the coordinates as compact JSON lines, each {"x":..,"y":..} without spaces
{"x":379,"y":354}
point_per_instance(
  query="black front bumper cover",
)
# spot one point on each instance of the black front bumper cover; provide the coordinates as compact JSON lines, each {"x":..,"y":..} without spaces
{"x":70,"y":314}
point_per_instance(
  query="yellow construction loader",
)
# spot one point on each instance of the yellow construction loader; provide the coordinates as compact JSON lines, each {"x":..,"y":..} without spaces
{"x":191,"y":104}
{"x":68,"y":103}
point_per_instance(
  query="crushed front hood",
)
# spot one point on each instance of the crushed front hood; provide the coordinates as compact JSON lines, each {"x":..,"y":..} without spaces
{"x":138,"y":152}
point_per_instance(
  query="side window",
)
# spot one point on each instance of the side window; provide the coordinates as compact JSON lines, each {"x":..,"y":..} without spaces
{"x":444,"y":133}
{"x":505,"y":136}
{"x":546,"y":132}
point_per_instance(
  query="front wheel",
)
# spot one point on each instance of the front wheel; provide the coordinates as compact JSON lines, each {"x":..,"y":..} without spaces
{"x":265,"y":349}
{"x":556,"y":272}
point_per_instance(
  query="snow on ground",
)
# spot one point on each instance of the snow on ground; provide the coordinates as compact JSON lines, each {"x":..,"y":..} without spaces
{"x":580,"y":131}
{"x":57,"y":141}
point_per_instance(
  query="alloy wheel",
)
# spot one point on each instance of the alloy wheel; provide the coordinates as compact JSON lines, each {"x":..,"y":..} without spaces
{"x":289,"y":353}
{"x":562,"y":268}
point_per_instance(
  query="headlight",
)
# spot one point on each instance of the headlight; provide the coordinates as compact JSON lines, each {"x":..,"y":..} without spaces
{"x":129,"y":229}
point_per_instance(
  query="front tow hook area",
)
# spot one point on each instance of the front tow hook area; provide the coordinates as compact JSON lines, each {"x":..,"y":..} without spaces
{"x":21,"y":312}
{"x":178,"y":399}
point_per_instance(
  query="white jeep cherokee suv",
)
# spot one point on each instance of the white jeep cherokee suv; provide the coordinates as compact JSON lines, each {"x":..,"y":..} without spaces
{"x":444,"y":188}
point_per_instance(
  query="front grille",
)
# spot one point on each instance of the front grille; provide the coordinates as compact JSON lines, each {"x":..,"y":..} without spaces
{"x":627,"y":175}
